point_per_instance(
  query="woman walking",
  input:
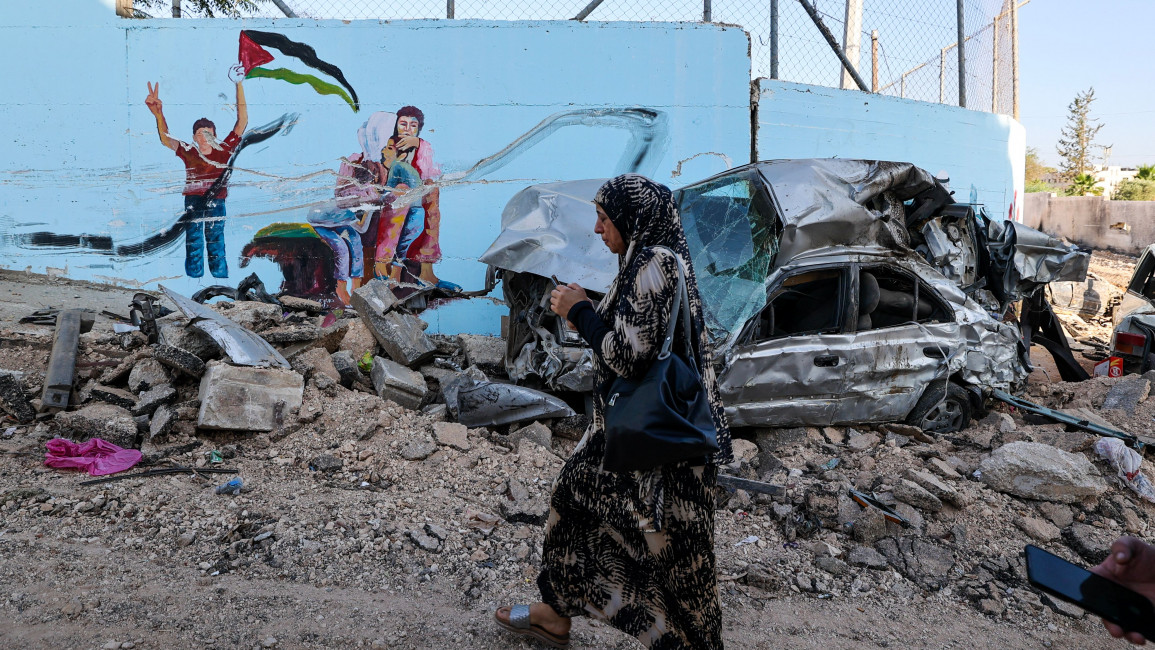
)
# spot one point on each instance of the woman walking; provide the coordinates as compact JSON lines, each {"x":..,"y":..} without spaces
{"x":634,"y":549}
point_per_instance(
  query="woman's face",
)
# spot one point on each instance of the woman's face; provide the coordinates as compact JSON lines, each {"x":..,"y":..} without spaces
{"x":609,"y":232}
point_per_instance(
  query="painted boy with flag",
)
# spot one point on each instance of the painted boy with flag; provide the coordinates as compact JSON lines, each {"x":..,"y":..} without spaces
{"x":205,"y":162}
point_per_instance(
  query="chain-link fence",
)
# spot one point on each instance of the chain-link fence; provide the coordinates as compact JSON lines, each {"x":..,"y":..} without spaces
{"x":903,"y":48}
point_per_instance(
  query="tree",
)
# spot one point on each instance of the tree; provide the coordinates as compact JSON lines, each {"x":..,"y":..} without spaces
{"x":204,"y":8}
{"x":1084,"y":184}
{"x":1036,"y":171}
{"x":1146,"y":173}
{"x":1078,"y":136}
{"x":1135,"y":189}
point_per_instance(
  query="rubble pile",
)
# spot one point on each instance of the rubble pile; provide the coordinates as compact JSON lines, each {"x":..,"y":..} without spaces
{"x":363,"y":464}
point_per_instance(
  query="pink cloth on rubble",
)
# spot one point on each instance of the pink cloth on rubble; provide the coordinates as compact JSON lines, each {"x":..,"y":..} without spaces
{"x":97,"y":456}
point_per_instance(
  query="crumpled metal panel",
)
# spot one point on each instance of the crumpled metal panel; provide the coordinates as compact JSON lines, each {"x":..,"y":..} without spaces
{"x":832,"y":202}
{"x":242,"y":346}
{"x":548,"y":230}
{"x":1026,"y":259}
{"x":489,"y":404}
{"x":950,"y":250}
{"x":560,"y":367}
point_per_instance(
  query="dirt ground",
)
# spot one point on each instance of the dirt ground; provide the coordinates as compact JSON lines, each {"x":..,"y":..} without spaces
{"x":364,"y":525}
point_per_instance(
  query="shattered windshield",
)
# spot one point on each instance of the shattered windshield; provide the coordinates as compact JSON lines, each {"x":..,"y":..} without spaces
{"x":733,"y":238}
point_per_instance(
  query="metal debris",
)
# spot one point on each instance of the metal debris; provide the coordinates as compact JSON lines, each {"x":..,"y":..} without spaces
{"x":1071,"y":420}
{"x":70,"y":323}
{"x":241,"y":345}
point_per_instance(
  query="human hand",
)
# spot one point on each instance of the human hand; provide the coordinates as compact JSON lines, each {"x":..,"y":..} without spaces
{"x":1131,"y":564}
{"x":564,"y":297}
{"x":408,"y":143}
{"x":153,"y":99}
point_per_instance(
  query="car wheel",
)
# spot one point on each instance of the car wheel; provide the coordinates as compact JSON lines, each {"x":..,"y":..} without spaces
{"x":937,"y":412}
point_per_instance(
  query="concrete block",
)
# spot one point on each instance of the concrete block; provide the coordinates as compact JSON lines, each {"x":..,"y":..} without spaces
{"x":251,"y":315}
{"x":100,"y":420}
{"x":316,"y":360}
{"x":121,"y":398}
{"x":358,"y":340}
{"x":395,"y":382}
{"x":179,"y":359}
{"x":146,"y":374}
{"x":401,"y":336}
{"x":151,"y":399}
{"x":374,"y":297}
{"x":485,"y":352}
{"x":241,"y":398}
{"x":179,"y":335}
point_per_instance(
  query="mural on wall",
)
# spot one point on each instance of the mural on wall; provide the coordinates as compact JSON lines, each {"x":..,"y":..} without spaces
{"x":377,"y":176}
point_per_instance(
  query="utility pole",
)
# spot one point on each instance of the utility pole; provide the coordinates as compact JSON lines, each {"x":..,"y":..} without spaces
{"x":962,"y":57}
{"x":176,"y":8}
{"x":852,"y":40}
{"x":1015,"y":57}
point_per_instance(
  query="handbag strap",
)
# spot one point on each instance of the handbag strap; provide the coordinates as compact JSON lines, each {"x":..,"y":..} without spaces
{"x":682,"y":307}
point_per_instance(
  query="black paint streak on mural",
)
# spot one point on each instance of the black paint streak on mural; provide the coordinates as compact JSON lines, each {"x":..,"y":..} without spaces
{"x":170,"y":235}
{"x":305,"y":53}
{"x":649,"y":134}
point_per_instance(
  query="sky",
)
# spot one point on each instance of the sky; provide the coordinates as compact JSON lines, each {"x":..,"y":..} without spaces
{"x":1066,"y":46}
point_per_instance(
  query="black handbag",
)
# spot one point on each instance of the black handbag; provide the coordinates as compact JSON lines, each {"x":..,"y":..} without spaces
{"x":665,"y":416}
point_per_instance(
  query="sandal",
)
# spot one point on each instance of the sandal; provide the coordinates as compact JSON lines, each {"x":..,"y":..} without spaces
{"x":519,"y":624}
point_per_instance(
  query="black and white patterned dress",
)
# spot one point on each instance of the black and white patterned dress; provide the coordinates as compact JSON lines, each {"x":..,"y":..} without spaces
{"x":637,"y":549}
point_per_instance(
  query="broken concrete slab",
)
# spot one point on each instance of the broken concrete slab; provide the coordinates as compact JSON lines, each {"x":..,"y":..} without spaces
{"x":295,"y":333}
{"x":452,"y":434}
{"x":417,"y":449}
{"x":13,"y":398}
{"x":943,"y":468}
{"x":358,"y":340}
{"x":401,"y":336}
{"x":147,"y":373}
{"x":393,"y":381}
{"x":100,"y":420}
{"x":862,"y":441}
{"x":485,"y":352}
{"x":915,"y":495}
{"x":926,"y":562}
{"x":326,"y":463}
{"x":293,"y":303}
{"x":180,"y":335}
{"x":249,"y":314}
{"x":179,"y":359}
{"x":1091,"y":543}
{"x":1127,"y":395}
{"x":242,"y":398}
{"x":117,"y":396}
{"x":1039,"y":529}
{"x":315,"y":360}
{"x":1037,"y":471}
{"x":148,"y":401}
{"x":375,"y":297}
{"x":536,"y":432}
{"x":161,"y":423}
{"x":932,"y":484}
{"x":865,"y":556}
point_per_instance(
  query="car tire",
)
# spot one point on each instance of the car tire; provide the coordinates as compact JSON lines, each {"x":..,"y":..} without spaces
{"x":939,"y":411}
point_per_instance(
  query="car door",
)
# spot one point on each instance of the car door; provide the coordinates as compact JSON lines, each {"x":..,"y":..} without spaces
{"x":787,"y":369}
{"x":905,"y":338}
{"x":1141,"y":289}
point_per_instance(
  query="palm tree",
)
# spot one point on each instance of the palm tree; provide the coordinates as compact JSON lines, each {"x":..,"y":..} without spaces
{"x":1146,"y":173}
{"x":1083,"y":185}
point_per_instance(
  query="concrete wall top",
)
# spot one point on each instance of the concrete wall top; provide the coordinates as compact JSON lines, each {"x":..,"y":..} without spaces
{"x":982,"y":153}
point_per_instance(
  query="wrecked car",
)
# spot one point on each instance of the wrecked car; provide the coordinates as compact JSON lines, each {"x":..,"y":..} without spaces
{"x":835,"y":291}
{"x":1134,"y":318}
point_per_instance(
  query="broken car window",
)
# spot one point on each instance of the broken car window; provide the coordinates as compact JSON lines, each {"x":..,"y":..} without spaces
{"x":806,"y":303}
{"x":1143,"y":281}
{"x":733,"y":235}
{"x":889,"y":297}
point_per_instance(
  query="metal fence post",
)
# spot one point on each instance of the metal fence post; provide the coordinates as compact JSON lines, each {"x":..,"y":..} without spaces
{"x":707,"y":12}
{"x":176,"y":8}
{"x":773,"y":39}
{"x":874,"y":60}
{"x":962,"y":57}
{"x":852,"y":39}
{"x":449,"y":9}
{"x":942,"y":75}
{"x":1015,"y":57}
{"x":995,"y":65}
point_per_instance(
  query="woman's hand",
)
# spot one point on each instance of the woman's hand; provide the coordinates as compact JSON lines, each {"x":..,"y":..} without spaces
{"x":564,"y":297}
{"x":1131,"y":564}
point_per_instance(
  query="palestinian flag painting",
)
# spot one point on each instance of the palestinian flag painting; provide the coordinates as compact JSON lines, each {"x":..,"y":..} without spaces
{"x":253,"y":56}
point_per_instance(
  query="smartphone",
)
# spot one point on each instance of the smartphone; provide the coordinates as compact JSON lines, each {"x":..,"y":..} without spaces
{"x":1096,"y":594}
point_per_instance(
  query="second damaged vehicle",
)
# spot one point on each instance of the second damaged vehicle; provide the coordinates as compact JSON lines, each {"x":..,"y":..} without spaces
{"x":835,"y":291}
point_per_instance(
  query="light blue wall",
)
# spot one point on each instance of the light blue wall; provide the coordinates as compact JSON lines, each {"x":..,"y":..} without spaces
{"x":85,"y":157}
{"x":982,"y":153}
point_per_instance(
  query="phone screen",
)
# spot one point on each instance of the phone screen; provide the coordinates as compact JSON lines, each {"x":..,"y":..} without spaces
{"x":1096,"y":594}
